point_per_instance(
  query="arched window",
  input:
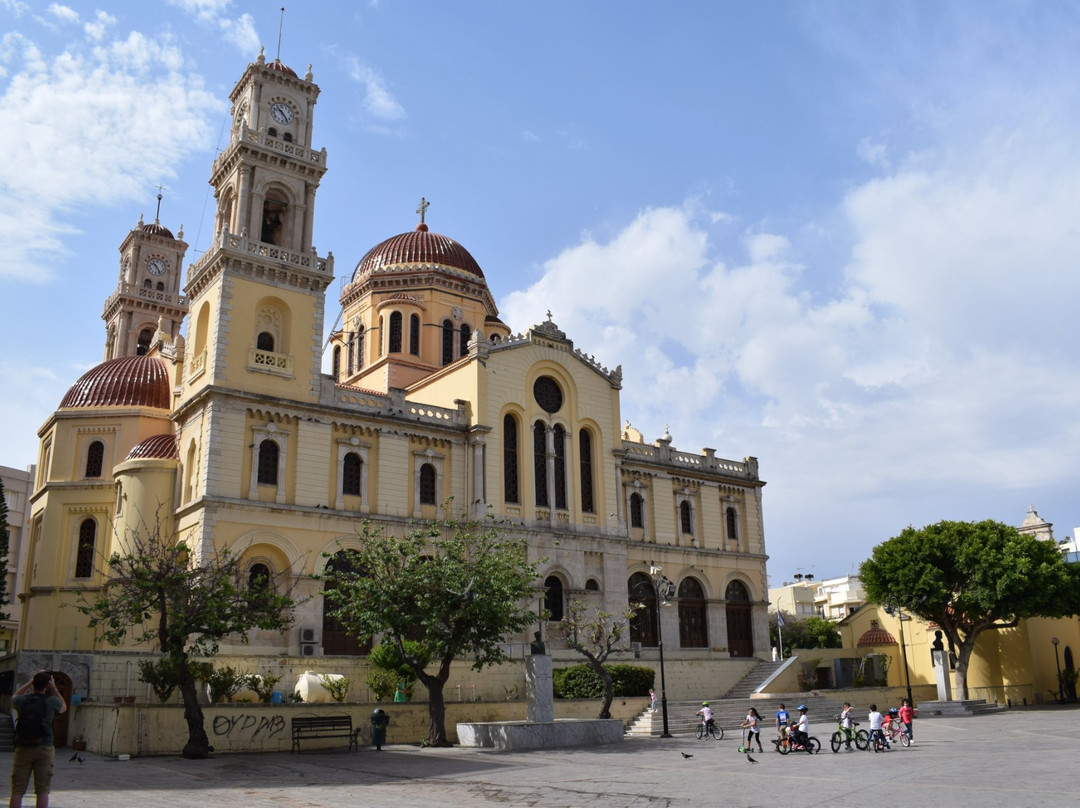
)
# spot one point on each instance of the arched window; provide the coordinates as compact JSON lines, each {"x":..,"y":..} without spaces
{"x":394,"y":345}
{"x":287,"y":137}
{"x":553,"y":598}
{"x":275,"y":210}
{"x":265,"y":341}
{"x":686,"y":519}
{"x":414,"y":334}
{"x":447,"y":342}
{"x":637,"y":510}
{"x":84,"y":557}
{"x":336,"y":640}
{"x":337,"y":362}
{"x":95,"y":459}
{"x":381,"y":333}
{"x":147,"y":283}
{"x":732,"y":524}
{"x":693,"y":627}
{"x":259,"y":577}
{"x":643,"y":625}
{"x":351,"y":468}
{"x":739,"y":620}
{"x":540,"y":464}
{"x":358,"y":341}
{"x":268,"y":462}
{"x":466,"y":335}
{"x":560,"y":466}
{"x":146,"y":336}
{"x":427,"y":484}
{"x":592,"y":585}
{"x":160,"y":286}
{"x":272,"y":132}
{"x":510,"y":459}
{"x":585,"y":457}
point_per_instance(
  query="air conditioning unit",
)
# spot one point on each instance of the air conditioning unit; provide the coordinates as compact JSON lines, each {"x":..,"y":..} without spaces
{"x":309,"y":635}
{"x":309,"y":649}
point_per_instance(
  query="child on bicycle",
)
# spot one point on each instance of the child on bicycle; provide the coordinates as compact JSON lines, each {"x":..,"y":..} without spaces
{"x":706,"y":714}
{"x":848,"y":724}
{"x":907,"y":716}
{"x":752,"y":726}
{"x":876,"y":722}
{"x":801,"y":729}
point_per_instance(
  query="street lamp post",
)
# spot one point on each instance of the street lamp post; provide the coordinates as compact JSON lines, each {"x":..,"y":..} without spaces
{"x":892,"y":607}
{"x":665,"y":593}
{"x":1057,"y":664}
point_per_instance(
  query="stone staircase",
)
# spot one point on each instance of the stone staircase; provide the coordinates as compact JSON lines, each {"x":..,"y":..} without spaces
{"x":729,"y":713}
{"x":753,"y":680}
{"x":929,"y":709}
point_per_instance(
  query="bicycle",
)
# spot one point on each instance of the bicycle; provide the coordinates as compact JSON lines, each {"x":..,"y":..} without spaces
{"x":845,"y":736}
{"x":786,"y":743}
{"x":894,"y":731}
{"x":704,"y":731}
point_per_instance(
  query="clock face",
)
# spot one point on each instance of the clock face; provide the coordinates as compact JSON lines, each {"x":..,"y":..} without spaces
{"x":156,"y":266}
{"x":281,"y":113}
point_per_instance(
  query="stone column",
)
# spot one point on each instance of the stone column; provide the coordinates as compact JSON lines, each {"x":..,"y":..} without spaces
{"x":941,"y":668}
{"x":539,"y":692}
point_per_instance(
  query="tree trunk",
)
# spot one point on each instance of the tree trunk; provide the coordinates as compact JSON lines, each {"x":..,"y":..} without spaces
{"x":609,"y":687}
{"x":198,"y":744}
{"x":436,"y":703}
{"x":963,"y":657}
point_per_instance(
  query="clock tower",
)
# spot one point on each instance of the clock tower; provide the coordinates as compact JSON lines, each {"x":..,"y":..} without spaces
{"x":147,"y":297}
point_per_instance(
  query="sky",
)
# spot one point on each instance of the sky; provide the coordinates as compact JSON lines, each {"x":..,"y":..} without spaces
{"x":838,"y":237}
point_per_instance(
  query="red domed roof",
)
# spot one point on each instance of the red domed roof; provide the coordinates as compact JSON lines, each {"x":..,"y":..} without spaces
{"x":281,"y":67}
{"x":157,"y":229}
{"x":418,"y":247}
{"x":876,"y":636}
{"x":156,"y":447}
{"x":130,"y":381}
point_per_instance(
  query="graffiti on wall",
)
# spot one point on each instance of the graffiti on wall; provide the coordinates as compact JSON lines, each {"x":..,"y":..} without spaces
{"x":247,"y":727}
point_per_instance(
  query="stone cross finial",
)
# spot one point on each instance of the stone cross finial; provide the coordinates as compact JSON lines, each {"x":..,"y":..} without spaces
{"x":424,"y":205}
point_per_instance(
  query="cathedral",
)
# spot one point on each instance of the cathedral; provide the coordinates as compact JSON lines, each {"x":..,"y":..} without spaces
{"x":212,"y":415}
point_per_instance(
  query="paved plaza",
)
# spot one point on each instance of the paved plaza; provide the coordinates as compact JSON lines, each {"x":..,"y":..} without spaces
{"x":1016,"y":758}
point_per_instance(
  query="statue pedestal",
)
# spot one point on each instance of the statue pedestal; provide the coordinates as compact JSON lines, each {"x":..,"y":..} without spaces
{"x":941,"y":668}
{"x":539,"y":693}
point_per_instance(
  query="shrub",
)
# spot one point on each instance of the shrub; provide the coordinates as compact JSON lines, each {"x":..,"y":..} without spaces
{"x":337,"y":687}
{"x":582,"y":682}
{"x":387,"y":657}
{"x":161,"y":675}
{"x":261,"y":686}
{"x":225,"y":683}
{"x":381,"y":683}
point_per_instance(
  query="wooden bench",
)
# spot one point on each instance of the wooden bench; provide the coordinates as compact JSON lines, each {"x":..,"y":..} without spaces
{"x":323,"y":726}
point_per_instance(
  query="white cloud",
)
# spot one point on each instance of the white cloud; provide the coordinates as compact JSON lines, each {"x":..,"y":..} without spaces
{"x":378,"y":100}
{"x":62,"y":116}
{"x":64,"y":13}
{"x":239,"y":31}
{"x":102,"y":22}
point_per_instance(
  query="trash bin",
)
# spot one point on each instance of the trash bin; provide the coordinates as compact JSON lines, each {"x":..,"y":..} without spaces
{"x":379,"y":721}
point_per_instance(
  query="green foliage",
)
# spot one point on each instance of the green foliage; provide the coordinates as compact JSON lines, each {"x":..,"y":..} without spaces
{"x":262,"y":686}
{"x":159,"y":591}
{"x":582,"y":682}
{"x":225,"y":683}
{"x":455,"y":587}
{"x":389,"y":658}
{"x":804,"y":632}
{"x":382,"y":683}
{"x":161,"y":675}
{"x":5,"y":598}
{"x":337,"y":687}
{"x":970,"y":577}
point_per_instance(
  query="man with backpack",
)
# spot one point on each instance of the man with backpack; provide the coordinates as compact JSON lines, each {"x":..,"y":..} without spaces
{"x":34,"y":750}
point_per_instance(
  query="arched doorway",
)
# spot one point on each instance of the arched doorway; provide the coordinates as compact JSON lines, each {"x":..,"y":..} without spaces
{"x":739,"y":621}
{"x":335,"y":640}
{"x":60,"y":722}
{"x":643,"y":628}
{"x":693,"y":625}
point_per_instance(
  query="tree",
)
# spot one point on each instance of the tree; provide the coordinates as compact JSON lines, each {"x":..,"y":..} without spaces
{"x":4,"y":537}
{"x":159,"y":591}
{"x":595,"y":635}
{"x":455,"y":587}
{"x":971,"y":577}
{"x":805,"y":632}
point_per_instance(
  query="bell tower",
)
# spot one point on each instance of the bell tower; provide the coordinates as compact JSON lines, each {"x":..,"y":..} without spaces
{"x":148,"y":295}
{"x":257,"y":296}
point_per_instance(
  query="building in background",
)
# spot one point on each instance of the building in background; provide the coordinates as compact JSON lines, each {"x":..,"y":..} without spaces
{"x":831,"y":598}
{"x":18,"y":486}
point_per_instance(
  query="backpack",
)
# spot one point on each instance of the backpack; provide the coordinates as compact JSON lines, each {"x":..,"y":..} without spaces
{"x":33,"y":724}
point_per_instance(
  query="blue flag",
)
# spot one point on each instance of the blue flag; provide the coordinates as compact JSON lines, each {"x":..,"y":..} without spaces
{"x":780,"y":619}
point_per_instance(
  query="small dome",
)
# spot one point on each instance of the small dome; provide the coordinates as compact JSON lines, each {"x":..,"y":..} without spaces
{"x":281,"y":67}
{"x":157,"y":229}
{"x":875,"y":635}
{"x":156,"y":447}
{"x":129,"y":381}
{"x":418,"y":247}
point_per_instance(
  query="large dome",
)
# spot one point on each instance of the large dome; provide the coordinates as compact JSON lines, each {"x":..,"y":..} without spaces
{"x":418,"y":247}
{"x":156,"y":447}
{"x":130,"y":381}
